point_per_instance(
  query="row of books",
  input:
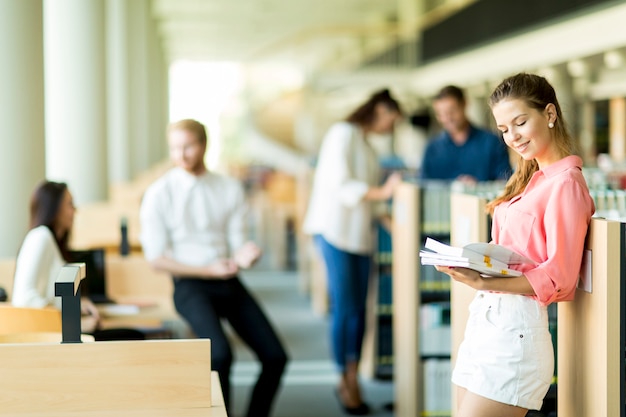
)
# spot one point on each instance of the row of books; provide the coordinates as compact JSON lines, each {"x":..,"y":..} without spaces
{"x":437,"y":392}
{"x":610,"y":204}
{"x":435,"y":205}
{"x":435,"y":330}
{"x":435,"y":201}
{"x":384,"y":354}
{"x":385,"y":290}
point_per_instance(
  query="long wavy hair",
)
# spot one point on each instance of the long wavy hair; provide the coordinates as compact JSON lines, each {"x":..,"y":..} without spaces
{"x":537,"y":93}
{"x":44,"y":208}
{"x":364,"y":115}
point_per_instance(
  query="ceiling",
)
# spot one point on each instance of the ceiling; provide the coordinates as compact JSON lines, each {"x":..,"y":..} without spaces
{"x":301,"y":32}
{"x":307,"y":34}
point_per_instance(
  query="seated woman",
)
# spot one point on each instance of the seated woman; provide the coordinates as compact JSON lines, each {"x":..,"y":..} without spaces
{"x":44,"y":252}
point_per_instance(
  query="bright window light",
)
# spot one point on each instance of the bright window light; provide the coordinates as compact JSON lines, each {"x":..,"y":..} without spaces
{"x":201,"y":91}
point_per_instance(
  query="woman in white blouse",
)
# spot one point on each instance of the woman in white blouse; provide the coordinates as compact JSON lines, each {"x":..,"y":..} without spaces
{"x":341,"y":215}
{"x":45,"y":250}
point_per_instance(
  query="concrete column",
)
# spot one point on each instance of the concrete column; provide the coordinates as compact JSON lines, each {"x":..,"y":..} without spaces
{"x":118,"y":98}
{"x":586,"y":127}
{"x":76,"y":125}
{"x":587,"y":132}
{"x":22,"y":160}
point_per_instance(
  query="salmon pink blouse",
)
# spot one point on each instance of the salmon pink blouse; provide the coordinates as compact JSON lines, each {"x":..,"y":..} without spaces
{"x":548,"y":223}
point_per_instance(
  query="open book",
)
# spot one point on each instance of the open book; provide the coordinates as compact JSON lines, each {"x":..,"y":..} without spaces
{"x":487,"y":258}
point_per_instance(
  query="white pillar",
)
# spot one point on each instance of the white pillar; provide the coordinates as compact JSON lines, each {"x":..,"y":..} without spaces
{"x":139,"y":12}
{"x":22,"y":160}
{"x":157,"y":98}
{"x":137,"y":96}
{"x":118,"y":87}
{"x":75,"y":68}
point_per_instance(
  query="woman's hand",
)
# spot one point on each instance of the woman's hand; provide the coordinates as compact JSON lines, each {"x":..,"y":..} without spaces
{"x":88,"y":308}
{"x":512,"y":285}
{"x":391,"y":183}
{"x":89,"y":324}
{"x":90,"y":316}
{"x":463,"y":275}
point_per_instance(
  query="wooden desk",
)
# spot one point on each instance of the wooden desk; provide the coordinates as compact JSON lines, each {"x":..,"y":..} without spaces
{"x":217,"y":408}
{"x":156,"y":314}
{"x":142,"y":378}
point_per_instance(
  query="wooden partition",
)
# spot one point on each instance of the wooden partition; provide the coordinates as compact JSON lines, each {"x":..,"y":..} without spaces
{"x":97,"y":225}
{"x":591,"y":332}
{"x":145,"y":378}
{"x":132,"y":281}
{"x":468,"y":223}
{"x":406,"y":300}
{"x":132,"y":277}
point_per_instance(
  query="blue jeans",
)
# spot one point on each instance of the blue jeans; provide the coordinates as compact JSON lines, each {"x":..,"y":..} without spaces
{"x":348,"y":277}
{"x":203,"y":303}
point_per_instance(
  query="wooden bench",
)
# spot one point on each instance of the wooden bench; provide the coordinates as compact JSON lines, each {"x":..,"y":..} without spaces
{"x":132,"y":379}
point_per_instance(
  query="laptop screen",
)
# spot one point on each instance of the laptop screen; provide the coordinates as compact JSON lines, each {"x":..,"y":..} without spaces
{"x":94,"y":284}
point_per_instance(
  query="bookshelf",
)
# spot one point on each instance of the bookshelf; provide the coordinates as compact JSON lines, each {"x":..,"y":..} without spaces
{"x":468,"y":223}
{"x":420,"y":302}
{"x":425,"y":303}
{"x":377,"y":355}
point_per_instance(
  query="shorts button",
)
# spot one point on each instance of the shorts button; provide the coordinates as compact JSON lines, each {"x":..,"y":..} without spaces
{"x":521,"y":336}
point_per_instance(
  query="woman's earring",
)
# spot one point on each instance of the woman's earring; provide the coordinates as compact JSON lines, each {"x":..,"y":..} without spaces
{"x":550,"y":125}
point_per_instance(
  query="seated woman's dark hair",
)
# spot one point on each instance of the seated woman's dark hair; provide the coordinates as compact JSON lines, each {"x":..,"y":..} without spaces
{"x":44,"y":207}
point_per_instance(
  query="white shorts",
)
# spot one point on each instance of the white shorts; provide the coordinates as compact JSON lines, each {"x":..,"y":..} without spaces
{"x":507,"y":354}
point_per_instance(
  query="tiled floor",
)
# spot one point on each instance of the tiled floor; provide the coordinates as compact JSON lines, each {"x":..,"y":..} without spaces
{"x":308,"y":385}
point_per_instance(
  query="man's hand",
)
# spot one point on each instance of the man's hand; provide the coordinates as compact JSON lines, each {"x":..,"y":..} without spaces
{"x":222,"y":269}
{"x":247,"y":255}
{"x":466,"y":179}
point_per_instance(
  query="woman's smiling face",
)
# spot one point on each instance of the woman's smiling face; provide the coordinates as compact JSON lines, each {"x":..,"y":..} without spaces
{"x":525,"y":130}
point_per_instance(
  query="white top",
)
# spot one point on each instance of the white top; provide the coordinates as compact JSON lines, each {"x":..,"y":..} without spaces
{"x":195,"y":220}
{"x":347,"y":167}
{"x":38,"y":264}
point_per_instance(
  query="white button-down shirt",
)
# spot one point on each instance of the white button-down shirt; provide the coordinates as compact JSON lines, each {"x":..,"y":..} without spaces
{"x":347,"y":167}
{"x":193,"y":219}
